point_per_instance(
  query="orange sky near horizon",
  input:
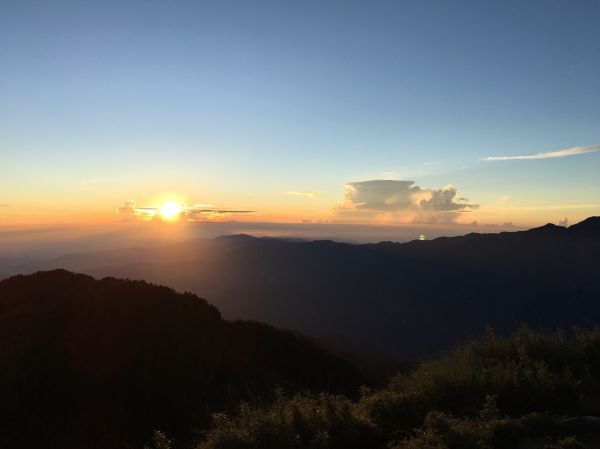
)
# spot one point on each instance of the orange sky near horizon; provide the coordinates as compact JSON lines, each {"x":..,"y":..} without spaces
{"x":300,"y":209}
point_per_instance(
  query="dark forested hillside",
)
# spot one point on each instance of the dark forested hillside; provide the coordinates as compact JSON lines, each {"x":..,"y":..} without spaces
{"x":408,"y":300}
{"x":100,"y":364}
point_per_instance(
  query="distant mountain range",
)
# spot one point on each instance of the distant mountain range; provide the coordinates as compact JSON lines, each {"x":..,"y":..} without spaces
{"x":101,"y":364}
{"x":402,"y":299}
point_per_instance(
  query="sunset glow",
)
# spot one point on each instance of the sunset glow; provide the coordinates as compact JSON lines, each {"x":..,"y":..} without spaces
{"x":198,"y":197}
{"x":203,"y":119}
{"x":170,"y":211}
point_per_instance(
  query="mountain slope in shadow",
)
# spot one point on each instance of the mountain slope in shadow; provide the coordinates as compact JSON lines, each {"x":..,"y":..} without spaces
{"x":102,"y":363}
{"x":404,"y":299}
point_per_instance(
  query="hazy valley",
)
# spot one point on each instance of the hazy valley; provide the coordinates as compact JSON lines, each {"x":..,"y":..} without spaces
{"x":402,"y":300}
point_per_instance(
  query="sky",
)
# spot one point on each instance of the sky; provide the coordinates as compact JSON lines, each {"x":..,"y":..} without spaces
{"x":342,"y":112}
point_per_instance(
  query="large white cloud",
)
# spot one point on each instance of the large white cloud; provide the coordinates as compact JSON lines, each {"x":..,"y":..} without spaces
{"x":381,"y":195}
{"x":401,"y":201}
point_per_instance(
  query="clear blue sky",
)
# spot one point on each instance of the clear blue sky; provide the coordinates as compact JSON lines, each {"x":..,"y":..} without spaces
{"x":226,"y":98}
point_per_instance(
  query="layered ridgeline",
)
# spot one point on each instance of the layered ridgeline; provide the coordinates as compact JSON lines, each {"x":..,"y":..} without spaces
{"x":408,"y":300}
{"x":101,"y":363}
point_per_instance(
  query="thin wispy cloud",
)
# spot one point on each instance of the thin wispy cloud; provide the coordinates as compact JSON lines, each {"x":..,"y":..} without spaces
{"x":548,"y":155}
{"x":306,"y":194}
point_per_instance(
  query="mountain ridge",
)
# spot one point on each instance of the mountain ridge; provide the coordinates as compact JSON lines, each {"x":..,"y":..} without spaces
{"x":115,"y":359}
{"x":383,"y":294}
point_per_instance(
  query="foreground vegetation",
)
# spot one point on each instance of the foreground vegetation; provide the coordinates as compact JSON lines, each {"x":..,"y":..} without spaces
{"x":522,"y":391}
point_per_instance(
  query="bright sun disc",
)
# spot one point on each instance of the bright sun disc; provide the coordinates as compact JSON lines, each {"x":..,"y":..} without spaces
{"x":170,"y":210}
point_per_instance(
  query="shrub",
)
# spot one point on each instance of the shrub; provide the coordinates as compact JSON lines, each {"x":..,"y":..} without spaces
{"x":160,"y":441}
{"x":528,"y":372}
{"x":492,"y":393}
{"x":304,"y":421}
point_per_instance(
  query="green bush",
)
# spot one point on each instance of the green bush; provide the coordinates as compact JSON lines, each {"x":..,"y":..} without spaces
{"x":492,"y":393}
{"x":304,"y":421}
{"x":528,"y":372}
{"x":160,"y":441}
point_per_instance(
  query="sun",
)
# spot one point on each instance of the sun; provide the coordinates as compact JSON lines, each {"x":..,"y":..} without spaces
{"x":170,"y":210}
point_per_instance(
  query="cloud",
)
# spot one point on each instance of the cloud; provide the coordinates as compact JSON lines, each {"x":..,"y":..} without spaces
{"x":306,"y":194}
{"x":548,"y":155}
{"x":127,"y":211}
{"x":195,"y":214}
{"x":381,"y":195}
{"x":389,"y":200}
{"x":503,"y":199}
{"x":198,"y":212}
{"x":444,"y":200}
{"x":442,"y":206}
{"x":507,"y":225}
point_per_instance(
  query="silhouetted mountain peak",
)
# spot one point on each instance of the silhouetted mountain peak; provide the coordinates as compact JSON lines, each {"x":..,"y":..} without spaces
{"x":590,"y":225}
{"x":101,"y":353}
{"x":548,"y":227}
